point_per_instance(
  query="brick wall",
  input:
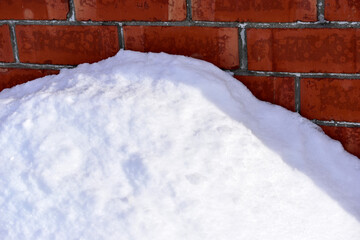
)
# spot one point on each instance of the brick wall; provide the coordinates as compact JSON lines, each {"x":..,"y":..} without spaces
{"x":301,"y":54}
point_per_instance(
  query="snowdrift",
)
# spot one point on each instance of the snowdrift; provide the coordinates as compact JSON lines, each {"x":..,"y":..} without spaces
{"x":156,"y":146}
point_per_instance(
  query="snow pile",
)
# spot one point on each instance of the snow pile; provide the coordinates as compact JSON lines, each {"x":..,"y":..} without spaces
{"x":154,"y":146}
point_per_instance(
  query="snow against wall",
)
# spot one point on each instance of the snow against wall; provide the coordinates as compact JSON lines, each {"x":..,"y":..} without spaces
{"x":155,"y":146}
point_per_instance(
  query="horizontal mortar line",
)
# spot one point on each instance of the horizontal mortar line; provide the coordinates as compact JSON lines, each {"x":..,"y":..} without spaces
{"x":189,"y":23}
{"x":57,"y":22}
{"x":336,"y":123}
{"x":246,"y":24}
{"x":96,"y":23}
{"x":302,"y":25}
{"x":110,"y":23}
{"x":241,"y":72}
{"x":331,"y":75}
{"x":35,"y":66}
{"x":298,"y":24}
{"x":238,"y":72}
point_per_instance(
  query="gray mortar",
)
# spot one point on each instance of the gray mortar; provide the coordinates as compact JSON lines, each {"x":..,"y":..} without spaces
{"x":121,"y":36}
{"x":297,"y":25}
{"x":243,"y":49}
{"x":336,"y":123}
{"x":321,"y":10}
{"x":35,"y":66}
{"x":298,"y":74}
{"x":297,"y":94}
{"x":71,"y":14}
{"x":188,"y":10}
{"x":242,"y":26}
{"x":14,"y":42}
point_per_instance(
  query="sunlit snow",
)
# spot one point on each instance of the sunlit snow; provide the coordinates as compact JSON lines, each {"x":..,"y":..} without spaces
{"x":155,"y":146}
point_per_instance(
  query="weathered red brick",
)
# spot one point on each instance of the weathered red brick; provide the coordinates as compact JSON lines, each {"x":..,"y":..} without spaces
{"x":254,"y":10}
{"x":260,"y":54}
{"x":66,"y":44}
{"x":330,"y":99}
{"x":349,"y":137}
{"x":34,"y":9}
{"x":130,"y":10}
{"x":345,"y":10}
{"x":304,"y":50}
{"x":6,"y":54}
{"x":277,"y":90}
{"x":9,"y":77}
{"x":216,"y":45}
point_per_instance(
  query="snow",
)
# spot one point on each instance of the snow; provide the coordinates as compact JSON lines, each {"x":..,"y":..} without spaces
{"x":156,"y":146}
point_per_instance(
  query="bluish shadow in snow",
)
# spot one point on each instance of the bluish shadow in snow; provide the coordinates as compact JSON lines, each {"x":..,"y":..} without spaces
{"x":135,"y":171}
{"x":300,"y":143}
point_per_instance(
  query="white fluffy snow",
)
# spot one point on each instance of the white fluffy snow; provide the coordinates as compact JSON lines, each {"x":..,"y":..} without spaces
{"x":154,"y":146}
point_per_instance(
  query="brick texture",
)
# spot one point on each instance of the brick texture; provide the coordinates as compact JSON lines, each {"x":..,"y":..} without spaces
{"x":130,"y":10}
{"x":34,"y":9}
{"x":66,"y":44}
{"x":342,"y":10}
{"x":330,"y":99}
{"x":254,"y":10}
{"x":6,"y":54}
{"x":9,"y":77}
{"x":304,"y":50}
{"x":216,"y":45}
{"x":349,"y":137}
{"x":277,"y":90}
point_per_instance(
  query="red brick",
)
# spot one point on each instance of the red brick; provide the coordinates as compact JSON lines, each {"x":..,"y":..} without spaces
{"x":349,"y":137}
{"x":254,"y":10}
{"x":277,"y":90}
{"x":6,"y":54}
{"x":304,"y":50}
{"x":34,"y":9}
{"x":216,"y":45}
{"x":260,"y":54}
{"x":66,"y":44}
{"x":330,"y":99}
{"x":130,"y":10}
{"x":346,"y":10}
{"x":9,"y":77}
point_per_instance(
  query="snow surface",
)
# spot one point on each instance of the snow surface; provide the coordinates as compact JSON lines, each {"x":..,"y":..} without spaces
{"x":155,"y":146}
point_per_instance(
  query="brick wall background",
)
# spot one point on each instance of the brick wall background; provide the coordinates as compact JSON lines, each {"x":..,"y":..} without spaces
{"x":301,"y":54}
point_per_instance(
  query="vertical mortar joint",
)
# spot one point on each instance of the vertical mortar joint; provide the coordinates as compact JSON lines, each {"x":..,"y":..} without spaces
{"x":71,"y":14}
{"x":297,"y":94}
{"x":321,"y":11}
{"x":188,"y":10}
{"x":14,"y":42}
{"x":121,"y":35}
{"x":243,"y":55}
